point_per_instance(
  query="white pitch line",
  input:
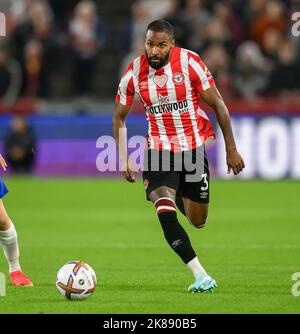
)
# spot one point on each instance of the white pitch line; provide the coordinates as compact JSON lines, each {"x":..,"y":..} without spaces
{"x":141,"y":246}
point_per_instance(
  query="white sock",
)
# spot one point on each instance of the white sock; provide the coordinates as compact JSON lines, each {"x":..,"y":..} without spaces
{"x":196,"y":268}
{"x":9,"y":243}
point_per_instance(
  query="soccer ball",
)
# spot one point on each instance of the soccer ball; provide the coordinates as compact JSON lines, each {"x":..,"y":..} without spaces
{"x":76,"y":280}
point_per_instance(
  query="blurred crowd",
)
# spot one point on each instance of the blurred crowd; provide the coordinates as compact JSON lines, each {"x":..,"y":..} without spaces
{"x":246,"y":44}
{"x":52,"y":46}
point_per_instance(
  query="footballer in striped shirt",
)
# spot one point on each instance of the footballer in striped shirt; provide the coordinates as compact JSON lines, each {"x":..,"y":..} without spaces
{"x":171,"y":82}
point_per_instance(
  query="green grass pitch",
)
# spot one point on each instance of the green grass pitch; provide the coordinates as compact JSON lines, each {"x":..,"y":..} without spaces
{"x":251,"y":246}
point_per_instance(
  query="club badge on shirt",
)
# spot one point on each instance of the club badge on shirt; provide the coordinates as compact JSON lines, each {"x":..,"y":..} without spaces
{"x":178,"y":78}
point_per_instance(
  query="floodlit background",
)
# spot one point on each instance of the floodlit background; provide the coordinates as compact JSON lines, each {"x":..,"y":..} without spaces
{"x":60,"y":64}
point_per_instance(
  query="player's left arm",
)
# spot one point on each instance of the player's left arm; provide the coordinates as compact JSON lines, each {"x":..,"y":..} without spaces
{"x":213,"y":98}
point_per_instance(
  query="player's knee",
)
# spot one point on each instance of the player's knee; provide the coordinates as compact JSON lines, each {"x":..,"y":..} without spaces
{"x":162,"y":192}
{"x":200,"y":221}
{"x":4,"y":223}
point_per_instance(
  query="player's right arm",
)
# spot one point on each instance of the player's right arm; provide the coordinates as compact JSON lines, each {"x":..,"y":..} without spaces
{"x":120,"y":135}
{"x":124,"y":100}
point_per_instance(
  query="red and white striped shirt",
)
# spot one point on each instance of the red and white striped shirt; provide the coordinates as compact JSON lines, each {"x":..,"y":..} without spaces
{"x":171,"y":99}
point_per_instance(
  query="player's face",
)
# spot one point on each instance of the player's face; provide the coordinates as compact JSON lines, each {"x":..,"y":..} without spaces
{"x":157,"y":47}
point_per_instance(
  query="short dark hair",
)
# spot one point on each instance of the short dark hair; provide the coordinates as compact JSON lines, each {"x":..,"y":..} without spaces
{"x":161,"y":26}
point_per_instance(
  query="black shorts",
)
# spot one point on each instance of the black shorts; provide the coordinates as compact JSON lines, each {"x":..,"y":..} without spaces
{"x":188,"y":176}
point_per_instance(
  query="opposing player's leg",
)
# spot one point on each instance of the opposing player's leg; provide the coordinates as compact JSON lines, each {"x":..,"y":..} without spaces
{"x":9,"y":243}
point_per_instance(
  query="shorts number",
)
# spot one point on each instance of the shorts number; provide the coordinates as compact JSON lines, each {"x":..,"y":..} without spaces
{"x":204,"y":178}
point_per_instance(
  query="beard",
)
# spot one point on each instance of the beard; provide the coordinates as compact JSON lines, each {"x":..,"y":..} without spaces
{"x":161,"y":61}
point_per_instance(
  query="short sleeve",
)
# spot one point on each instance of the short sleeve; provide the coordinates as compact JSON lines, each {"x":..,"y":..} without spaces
{"x":126,"y":91}
{"x":200,"y":75}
